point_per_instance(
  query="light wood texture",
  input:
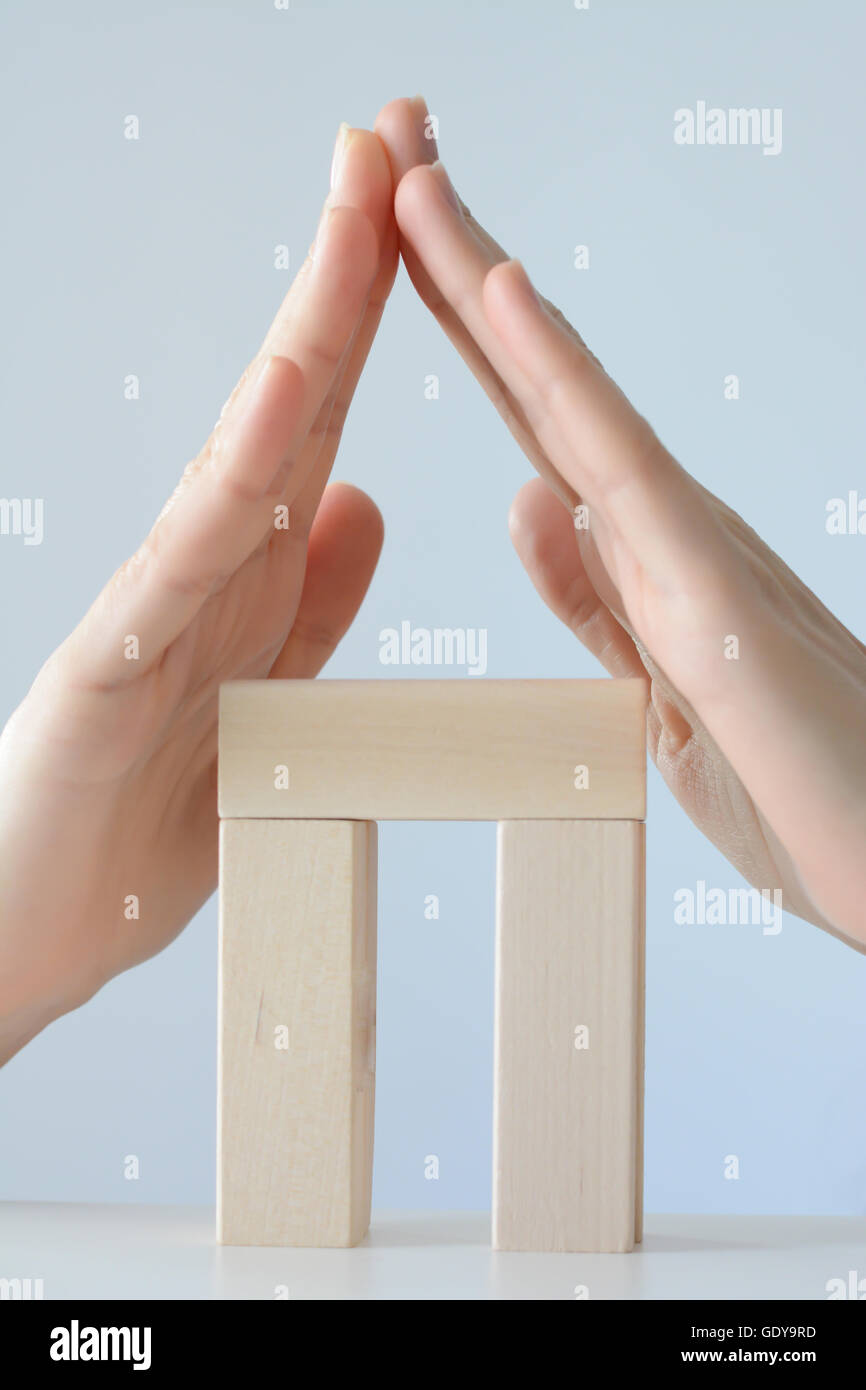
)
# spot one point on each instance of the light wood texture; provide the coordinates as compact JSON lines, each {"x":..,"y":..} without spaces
{"x":640,"y":1023}
{"x":568,"y":954}
{"x":297,"y":951}
{"x":433,"y":750}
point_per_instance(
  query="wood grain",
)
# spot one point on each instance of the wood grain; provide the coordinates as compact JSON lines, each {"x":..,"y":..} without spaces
{"x":640,"y":1024}
{"x":567,"y":1121}
{"x":297,"y":952}
{"x":433,"y":750}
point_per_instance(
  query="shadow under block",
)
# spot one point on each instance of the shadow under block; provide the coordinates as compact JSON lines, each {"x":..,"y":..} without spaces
{"x":433,"y":750}
{"x":568,"y":1104}
{"x":297,"y":992}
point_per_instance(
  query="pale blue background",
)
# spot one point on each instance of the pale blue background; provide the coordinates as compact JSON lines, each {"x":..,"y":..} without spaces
{"x":156,"y":258}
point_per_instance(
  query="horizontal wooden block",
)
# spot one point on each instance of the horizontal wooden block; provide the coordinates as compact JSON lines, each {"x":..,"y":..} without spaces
{"x":433,"y":750}
{"x":297,"y":983}
{"x":568,"y":1080}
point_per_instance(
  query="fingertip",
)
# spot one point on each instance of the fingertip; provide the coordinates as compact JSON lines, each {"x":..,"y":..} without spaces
{"x":367,"y":145}
{"x":414,"y":192}
{"x":347,"y":534}
{"x":539,"y":521}
{"x":404,"y":127}
{"x":392,"y":115}
{"x":531,"y":500}
{"x":507,"y":287}
{"x":363,"y":179}
{"x":342,"y":554}
{"x":355,"y":508}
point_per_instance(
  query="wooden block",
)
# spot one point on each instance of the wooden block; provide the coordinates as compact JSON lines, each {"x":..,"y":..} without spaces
{"x":295,"y":1107}
{"x":567,"y":1116}
{"x":433,"y":750}
{"x":640,"y":1022}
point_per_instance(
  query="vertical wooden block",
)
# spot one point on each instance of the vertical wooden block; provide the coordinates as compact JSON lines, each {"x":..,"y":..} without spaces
{"x":640,"y":1018}
{"x":568,"y":1043}
{"x":297,"y":995}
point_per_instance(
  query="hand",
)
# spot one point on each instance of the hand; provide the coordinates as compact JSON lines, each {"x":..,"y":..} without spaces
{"x":766,"y":751}
{"x":108,"y":828}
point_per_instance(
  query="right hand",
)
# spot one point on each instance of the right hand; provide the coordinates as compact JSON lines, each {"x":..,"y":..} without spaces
{"x":108,"y":817}
{"x":765,"y":752}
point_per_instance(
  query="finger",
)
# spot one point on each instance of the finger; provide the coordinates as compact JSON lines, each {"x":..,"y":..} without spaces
{"x":258,"y":455}
{"x":305,"y":328}
{"x":543,"y":536}
{"x":220,"y":518}
{"x":648,"y":519}
{"x":344,"y":548}
{"x":289,"y":545}
{"x":403,"y":128}
{"x":685,"y":755}
{"x":328,"y":430}
{"x":647,"y":509}
{"x":224,"y":505}
{"x":211,"y":523}
{"x":459,"y":262}
{"x":588,"y":430}
{"x":360,"y":180}
{"x":569,"y":583}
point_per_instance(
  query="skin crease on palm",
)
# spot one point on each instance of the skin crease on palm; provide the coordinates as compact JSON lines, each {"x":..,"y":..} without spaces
{"x":109,"y":765}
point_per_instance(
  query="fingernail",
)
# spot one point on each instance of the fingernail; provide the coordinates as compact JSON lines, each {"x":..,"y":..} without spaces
{"x":424,"y":128}
{"x":446,"y":186}
{"x":259,"y":379}
{"x":325,"y":218}
{"x":344,"y":135}
{"x":244,"y":402}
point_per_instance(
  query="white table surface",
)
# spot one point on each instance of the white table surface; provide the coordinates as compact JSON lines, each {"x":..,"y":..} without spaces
{"x":132,"y":1252}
